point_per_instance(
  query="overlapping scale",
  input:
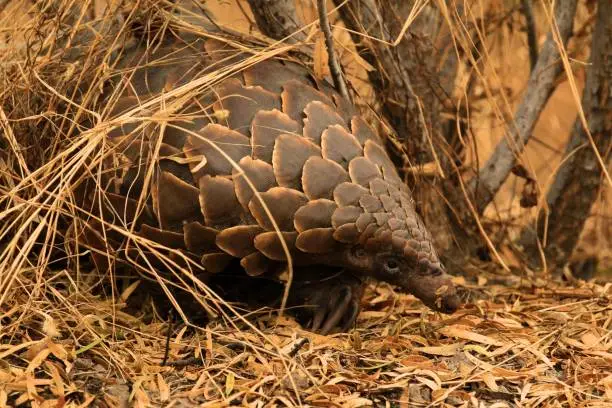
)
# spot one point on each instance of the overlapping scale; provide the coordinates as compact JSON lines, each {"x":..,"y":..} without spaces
{"x":317,"y":241}
{"x":252,"y":176}
{"x":315,"y":214}
{"x":338,"y":145}
{"x":362,"y":131}
{"x":282,"y":203}
{"x":319,"y":116}
{"x":259,"y":75}
{"x":320,"y":177}
{"x":256,"y":264}
{"x":238,"y":241}
{"x":288,"y":159}
{"x":174,"y":200}
{"x":218,"y":201}
{"x":270,"y":244}
{"x":240,"y":104}
{"x":362,"y":171}
{"x":210,"y":149}
{"x":265,"y":128}
{"x":296,"y":96}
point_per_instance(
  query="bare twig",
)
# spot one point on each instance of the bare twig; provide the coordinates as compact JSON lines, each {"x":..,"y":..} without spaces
{"x":278,"y":19}
{"x":334,"y":66}
{"x":539,"y":88}
{"x":578,"y":182}
{"x":532,"y":35}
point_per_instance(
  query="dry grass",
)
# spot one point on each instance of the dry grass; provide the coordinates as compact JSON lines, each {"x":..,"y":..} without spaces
{"x":522,"y":341}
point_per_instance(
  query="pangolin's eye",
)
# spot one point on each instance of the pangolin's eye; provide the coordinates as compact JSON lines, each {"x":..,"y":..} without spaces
{"x":392,"y":265}
{"x":359,"y":252}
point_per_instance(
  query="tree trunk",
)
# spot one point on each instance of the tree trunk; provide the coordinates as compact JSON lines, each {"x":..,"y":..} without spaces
{"x":406,"y":79}
{"x":277,"y":19}
{"x":539,"y":88}
{"x":578,"y":182}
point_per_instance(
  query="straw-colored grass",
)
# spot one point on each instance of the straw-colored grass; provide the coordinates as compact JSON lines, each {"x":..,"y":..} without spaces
{"x":70,"y":337}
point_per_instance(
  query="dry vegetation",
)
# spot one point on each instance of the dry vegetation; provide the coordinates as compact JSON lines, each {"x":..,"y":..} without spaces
{"x":521,"y":339}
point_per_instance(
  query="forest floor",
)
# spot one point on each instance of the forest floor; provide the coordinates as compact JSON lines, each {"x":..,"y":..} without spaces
{"x":516,"y":343}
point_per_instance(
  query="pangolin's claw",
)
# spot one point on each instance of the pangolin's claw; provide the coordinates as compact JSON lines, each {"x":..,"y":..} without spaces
{"x":329,"y":305}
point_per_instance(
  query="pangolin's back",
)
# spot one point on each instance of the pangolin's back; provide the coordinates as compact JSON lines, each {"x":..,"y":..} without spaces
{"x":318,"y":168}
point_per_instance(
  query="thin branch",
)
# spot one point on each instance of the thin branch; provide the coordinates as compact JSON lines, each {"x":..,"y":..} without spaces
{"x":532,"y":34}
{"x":539,"y":88}
{"x":334,"y":66}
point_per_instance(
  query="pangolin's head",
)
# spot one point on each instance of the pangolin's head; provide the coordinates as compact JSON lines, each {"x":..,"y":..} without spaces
{"x":387,"y":239}
{"x":410,"y":264}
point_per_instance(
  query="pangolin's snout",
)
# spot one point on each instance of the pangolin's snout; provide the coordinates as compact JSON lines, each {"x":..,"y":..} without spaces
{"x":436,"y":290}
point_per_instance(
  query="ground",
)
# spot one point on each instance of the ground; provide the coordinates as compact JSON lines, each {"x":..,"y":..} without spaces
{"x":516,"y":343}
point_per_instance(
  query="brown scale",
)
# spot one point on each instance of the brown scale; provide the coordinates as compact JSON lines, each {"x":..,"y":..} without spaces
{"x":238,"y":241}
{"x":317,"y":241}
{"x":253,"y":175}
{"x":321,"y":176}
{"x":197,"y":114}
{"x":259,"y":75}
{"x":339,"y":146}
{"x":242,"y":103}
{"x":282,"y":203}
{"x":209,"y":143}
{"x":270,"y":244}
{"x":265,"y":128}
{"x":347,"y":233}
{"x":315,"y":214}
{"x":218,"y":202}
{"x":175,"y":201}
{"x":298,"y":149}
{"x":160,"y":70}
{"x":362,"y":171}
{"x":348,"y":193}
{"x":362,"y":131}
{"x":290,"y":154}
{"x":296,"y":96}
{"x":318,"y":117}
{"x":122,"y":106}
{"x":257,"y":264}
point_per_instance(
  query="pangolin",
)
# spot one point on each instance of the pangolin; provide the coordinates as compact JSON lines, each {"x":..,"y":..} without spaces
{"x":267,"y":139}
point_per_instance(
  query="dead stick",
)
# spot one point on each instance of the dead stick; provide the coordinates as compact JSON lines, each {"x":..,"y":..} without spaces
{"x":334,"y":65}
